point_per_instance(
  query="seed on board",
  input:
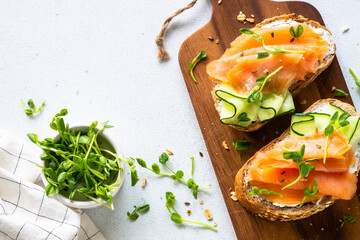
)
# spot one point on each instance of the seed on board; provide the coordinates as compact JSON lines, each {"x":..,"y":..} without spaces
{"x":225,"y":145}
{"x":250,"y":20}
{"x":252,"y":15}
{"x":217,"y":41}
{"x":333,"y":88}
{"x":208,"y":214}
{"x":201,"y":154}
{"x":215,"y":224}
{"x":187,"y":203}
{"x":345,"y":29}
{"x":143,"y":182}
{"x":241,"y":17}
{"x":210,"y":38}
{"x":201,"y":202}
{"x":188,"y":212}
{"x":169,"y":152}
{"x":233,"y":197}
{"x":303,"y":102}
{"x":219,"y":2}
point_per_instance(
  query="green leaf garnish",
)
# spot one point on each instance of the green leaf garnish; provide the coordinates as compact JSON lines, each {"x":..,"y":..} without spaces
{"x":262,"y":54}
{"x":298,"y":32}
{"x":192,"y":64}
{"x":303,"y":166}
{"x":340,"y":93}
{"x":246,"y":31}
{"x":31,"y":109}
{"x":134,"y":214}
{"x":241,"y":145}
{"x":310,"y":192}
{"x":357,"y":80}
{"x":77,"y":165}
{"x":176,"y":176}
{"x":175,"y":216}
{"x":263,"y":81}
{"x":257,"y":191}
{"x":342,"y":122}
{"x":243,"y":117}
{"x":350,"y":218}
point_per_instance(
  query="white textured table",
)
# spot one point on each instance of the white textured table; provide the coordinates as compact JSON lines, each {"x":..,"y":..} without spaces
{"x":98,"y":59}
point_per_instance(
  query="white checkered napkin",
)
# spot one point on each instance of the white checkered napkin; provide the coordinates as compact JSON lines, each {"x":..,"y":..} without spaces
{"x":25,"y":210}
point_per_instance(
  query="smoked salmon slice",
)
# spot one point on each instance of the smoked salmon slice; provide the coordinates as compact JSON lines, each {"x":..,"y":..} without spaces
{"x":240,"y":67}
{"x":271,"y":171}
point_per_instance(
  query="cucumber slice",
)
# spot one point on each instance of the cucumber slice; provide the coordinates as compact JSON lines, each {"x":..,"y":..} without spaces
{"x":321,"y":119}
{"x":270,"y":106}
{"x":355,"y":137}
{"x":231,"y":107}
{"x":303,"y":128}
{"x":301,"y":124}
{"x":349,"y":129}
{"x":300,"y":117}
{"x":331,"y":109}
{"x":287,"y":106}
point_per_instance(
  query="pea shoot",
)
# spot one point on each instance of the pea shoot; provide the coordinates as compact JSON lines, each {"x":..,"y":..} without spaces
{"x":30,"y":109}
{"x":266,"y":53}
{"x":310,"y":192}
{"x":341,"y":121}
{"x":241,"y":145}
{"x":263,"y":81}
{"x":176,"y":176}
{"x":340,"y":93}
{"x":357,"y":80}
{"x":202,"y":55}
{"x":77,"y":165}
{"x":176,"y":217}
{"x":243,"y":117}
{"x":298,"y":32}
{"x":350,"y":218}
{"x":257,"y":191}
{"x":134,"y":215}
{"x":303,"y":166}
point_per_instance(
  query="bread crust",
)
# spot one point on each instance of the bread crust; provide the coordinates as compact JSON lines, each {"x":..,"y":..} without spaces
{"x":298,"y":85}
{"x":264,"y":208}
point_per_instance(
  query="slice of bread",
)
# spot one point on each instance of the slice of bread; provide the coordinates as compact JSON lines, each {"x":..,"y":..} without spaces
{"x":266,"y":209}
{"x":298,"y":85}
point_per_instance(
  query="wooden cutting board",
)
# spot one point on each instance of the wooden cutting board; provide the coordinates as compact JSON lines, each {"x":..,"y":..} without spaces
{"x":224,"y":27}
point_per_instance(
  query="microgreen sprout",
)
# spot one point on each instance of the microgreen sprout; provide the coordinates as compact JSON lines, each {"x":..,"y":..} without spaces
{"x":241,"y":145}
{"x":263,"y":81}
{"x":135,"y":214}
{"x":257,"y":191}
{"x":303,"y":166}
{"x":175,"y":216}
{"x":30,"y":109}
{"x":330,"y":128}
{"x":340,"y":93}
{"x":176,"y":176}
{"x":350,"y":218}
{"x":243,"y":117}
{"x":192,"y":64}
{"x":357,"y":80}
{"x":77,"y":165}
{"x":298,"y":32}
{"x":310,"y":192}
{"x":266,"y":53}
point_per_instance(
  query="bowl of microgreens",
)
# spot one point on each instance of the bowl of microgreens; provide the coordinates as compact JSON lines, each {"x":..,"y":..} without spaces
{"x":81,"y":166}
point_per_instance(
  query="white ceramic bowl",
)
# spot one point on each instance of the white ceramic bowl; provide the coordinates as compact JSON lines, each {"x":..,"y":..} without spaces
{"x":104,"y":142}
